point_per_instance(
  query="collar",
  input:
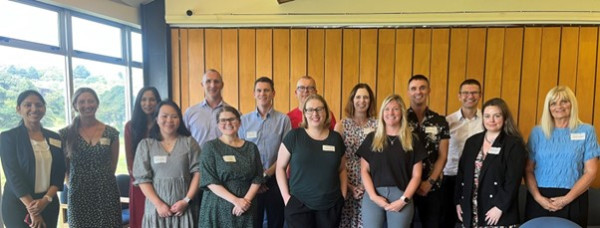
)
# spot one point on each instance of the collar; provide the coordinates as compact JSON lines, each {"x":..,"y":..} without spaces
{"x":462,"y":117}
{"x":269,"y":113}
{"x":204,"y":103}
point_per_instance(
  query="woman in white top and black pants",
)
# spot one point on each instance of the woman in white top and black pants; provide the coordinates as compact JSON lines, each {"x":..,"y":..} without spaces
{"x":34,"y":166}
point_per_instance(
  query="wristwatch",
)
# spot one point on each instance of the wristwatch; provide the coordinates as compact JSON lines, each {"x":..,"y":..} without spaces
{"x":187,"y":200}
{"x":405,"y":199}
{"x":48,"y":198}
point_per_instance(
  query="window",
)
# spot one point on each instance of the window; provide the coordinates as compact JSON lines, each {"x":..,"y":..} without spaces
{"x":55,"y":51}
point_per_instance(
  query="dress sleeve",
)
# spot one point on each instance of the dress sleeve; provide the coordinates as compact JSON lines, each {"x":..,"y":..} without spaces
{"x":194,"y":154}
{"x":258,"y":169}
{"x":15,"y":175}
{"x":208,"y":166}
{"x":142,"y":169}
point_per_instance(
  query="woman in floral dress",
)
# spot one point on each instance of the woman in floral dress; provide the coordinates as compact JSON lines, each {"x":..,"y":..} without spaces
{"x":359,"y":121}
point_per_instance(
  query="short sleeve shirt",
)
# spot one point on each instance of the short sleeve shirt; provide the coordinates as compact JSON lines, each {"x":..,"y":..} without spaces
{"x":393,"y":165}
{"x":431,"y":131}
{"x":314,"y":165}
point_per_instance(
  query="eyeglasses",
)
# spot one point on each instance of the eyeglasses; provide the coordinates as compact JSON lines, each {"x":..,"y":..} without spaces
{"x":228,"y":120}
{"x":472,"y":93}
{"x":306,"y":88}
{"x":310,"y":111}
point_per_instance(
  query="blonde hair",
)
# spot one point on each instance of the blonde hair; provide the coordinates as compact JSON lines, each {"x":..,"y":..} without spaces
{"x":404,"y":133}
{"x":318,"y":97}
{"x":559,"y":93}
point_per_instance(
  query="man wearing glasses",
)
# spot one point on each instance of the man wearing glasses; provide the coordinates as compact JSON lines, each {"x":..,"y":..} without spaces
{"x":305,"y":87}
{"x":463,"y":124}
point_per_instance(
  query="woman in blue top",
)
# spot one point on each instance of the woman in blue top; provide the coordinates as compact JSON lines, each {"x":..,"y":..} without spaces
{"x":563,"y":161}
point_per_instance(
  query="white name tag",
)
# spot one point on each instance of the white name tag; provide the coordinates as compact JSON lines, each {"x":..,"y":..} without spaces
{"x":104,"y":141}
{"x":329,"y":148}
{"x":251,"y":134}
{"x":431,"y":130}
{"x":494,"y":150}
{"x":160,"y":159}
{"x":55,"y":142}
{"x":577,"y":136}
{"x":368,"y":130}
{"x":228,"y":158}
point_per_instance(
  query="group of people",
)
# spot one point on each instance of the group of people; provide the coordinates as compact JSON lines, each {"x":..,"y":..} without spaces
{"x":214,"y":167}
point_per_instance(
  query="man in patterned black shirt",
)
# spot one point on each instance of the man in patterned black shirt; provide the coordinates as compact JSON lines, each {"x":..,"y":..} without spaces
{"x":433,"y":132}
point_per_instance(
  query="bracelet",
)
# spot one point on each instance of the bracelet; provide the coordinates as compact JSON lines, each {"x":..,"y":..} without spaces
{"x":48,"y":198}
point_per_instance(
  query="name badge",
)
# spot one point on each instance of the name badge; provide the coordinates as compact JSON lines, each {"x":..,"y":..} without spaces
{"x":431,"y":130}
{"x":368,"y":130}
{"x":577,"y":136}
{"x":251,"y":134}
{"x":160,"y":159}
{"x":329,"y":148}
{"x":494,"y":150}
{"x":104,"y":141}
{"x":229,"y":158}
{"x":55,"y":142}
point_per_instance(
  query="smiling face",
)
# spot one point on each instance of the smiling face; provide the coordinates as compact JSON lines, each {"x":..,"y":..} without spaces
{"x":263,"y":93}
{"x":213,"y":84}
{"x":392,"y":114}
{"x":229,"y":124}
{"x":148,"y":102}
{"x":361,"y":101}
{"x":560,"y":109}
{"x":469,"y":96}
{"x":493,"y":119}
{"x":86,"y":104}
{"x":304,"y":88}
{"x":314,"y":112}
{"x":32,"y":109}
{"x":168,"y":120}
{"x":418,"y":91}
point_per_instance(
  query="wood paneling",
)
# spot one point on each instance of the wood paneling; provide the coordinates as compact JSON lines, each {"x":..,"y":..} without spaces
{"x":518,"y":64}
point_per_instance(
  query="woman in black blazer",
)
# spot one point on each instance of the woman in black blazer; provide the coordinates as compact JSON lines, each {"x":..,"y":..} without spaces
{"x":490,"y":171}
{"x":34,"y":166}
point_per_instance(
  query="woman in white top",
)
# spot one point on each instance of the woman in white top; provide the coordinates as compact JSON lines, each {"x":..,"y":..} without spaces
{"x":34,"y":166}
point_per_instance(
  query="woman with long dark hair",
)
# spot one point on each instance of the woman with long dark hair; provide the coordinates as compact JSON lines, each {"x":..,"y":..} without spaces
{"x":34,"y":166}
{"x":166,"y":170}
{"x":135,"y":130}
{"x":92,"y":149}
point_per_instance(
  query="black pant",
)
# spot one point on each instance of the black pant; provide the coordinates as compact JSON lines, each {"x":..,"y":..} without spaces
{"x":298,"y":215}
{"x":449,"y":218}
{"x":429,"y":208}
{"x":13,"y":211}
{"x":272,"y":202}
{"x":576,"y":211}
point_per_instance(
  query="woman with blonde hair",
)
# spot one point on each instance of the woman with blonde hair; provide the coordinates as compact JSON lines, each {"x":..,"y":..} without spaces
{"x":563,"y":160}
{"x":390,"y":167}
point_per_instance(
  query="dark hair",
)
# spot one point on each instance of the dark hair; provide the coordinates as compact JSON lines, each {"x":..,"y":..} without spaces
{"x":304,"y":123}
{"x":349,"y":110}
{"x":155,"y":130}
{"x":227,"y":108}
{"x":469,"y":81}
{"x":509,"y":126}
{"x":73,"y":129}
{"x":265,"y":80}
{"x":28,"y":93}
{"x":418,"y":77}
{"x":139,"y":119}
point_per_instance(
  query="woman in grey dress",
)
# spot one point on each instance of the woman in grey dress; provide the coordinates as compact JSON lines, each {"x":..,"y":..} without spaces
{"x":166,"y":169}
{"x":231,"y":176}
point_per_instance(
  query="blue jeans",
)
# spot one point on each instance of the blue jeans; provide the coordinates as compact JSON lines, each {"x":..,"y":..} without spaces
{"x":374,"y":216}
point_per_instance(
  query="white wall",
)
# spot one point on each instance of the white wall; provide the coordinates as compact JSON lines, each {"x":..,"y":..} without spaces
{"x":379,"y":12}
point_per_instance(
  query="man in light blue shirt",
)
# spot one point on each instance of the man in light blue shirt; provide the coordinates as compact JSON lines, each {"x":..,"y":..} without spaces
{"x":200,"y":119}
{"x":266,"y":128}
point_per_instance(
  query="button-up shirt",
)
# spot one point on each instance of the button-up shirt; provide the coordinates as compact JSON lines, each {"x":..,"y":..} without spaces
{"x":201,"y":120}
{"x":461,"y":129}
{"x":431,"y":131}
{"x":266,"y":133}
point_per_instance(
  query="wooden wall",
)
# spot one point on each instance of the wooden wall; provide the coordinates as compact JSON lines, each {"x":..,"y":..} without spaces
{"x":518,"y":64}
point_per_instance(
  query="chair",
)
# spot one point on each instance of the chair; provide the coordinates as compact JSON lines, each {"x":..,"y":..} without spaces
{"x":554,"y":222}
{"x":122,"y":183}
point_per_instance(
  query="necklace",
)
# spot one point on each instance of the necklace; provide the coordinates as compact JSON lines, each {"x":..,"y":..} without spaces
{"x":391,"y":139}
